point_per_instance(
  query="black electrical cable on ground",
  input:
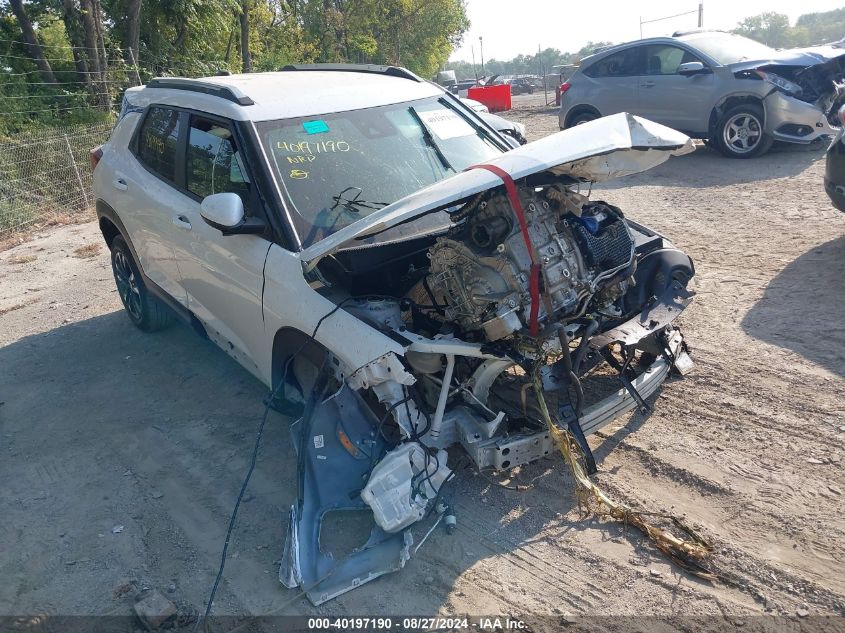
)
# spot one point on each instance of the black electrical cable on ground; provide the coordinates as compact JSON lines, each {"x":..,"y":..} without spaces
{"x":273,"y":394}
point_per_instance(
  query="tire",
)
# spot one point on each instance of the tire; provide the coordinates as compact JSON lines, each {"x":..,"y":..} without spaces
{"x":582,"y":117}
{"x":739,"y":132}
{"x":145,"y":311}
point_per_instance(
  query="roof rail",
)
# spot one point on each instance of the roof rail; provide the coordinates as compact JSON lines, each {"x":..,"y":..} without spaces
{"x":694,"y":31}
{"x":230,"y":93}
{"x":393,"y":71}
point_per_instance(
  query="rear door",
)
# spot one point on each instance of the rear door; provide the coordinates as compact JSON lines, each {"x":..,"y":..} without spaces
{"x":612,"y":82}
{"x":679,"y":101}
{"x":223,"y":276}
{"x":145,"y":196}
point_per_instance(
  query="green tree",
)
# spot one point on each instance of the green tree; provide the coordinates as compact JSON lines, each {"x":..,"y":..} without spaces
{"x":770,"y":28}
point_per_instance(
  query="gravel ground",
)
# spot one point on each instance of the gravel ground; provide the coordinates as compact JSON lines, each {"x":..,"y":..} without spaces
{"x":122,"y":453}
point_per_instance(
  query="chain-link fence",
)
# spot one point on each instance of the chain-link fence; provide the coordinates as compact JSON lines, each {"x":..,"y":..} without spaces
{"x":47,"y":175}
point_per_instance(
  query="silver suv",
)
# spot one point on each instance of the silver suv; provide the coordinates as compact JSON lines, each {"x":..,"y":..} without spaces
{"x":733,"y":91}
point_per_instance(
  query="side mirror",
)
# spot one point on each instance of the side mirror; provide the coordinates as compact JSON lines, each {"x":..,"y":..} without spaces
{"x":692,"y":68}
{"x":225,"y":212}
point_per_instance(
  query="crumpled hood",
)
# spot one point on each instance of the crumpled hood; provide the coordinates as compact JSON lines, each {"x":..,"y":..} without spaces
{"x":609,"y":147}
{"x":799,"y":57}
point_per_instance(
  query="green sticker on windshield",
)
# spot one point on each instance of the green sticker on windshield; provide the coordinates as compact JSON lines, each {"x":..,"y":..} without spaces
{"x":315,"y":127}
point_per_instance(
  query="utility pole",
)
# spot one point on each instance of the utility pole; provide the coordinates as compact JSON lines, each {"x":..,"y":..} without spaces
{"x":701,"y":15}
{"x":481,"y":45}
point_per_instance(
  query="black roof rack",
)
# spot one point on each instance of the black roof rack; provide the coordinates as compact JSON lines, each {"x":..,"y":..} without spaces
{"x":393,"y":71}
{"x":230,"y":93}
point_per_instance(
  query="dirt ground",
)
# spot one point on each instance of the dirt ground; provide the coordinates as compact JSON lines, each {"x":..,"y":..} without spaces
{"x":122,"y":452}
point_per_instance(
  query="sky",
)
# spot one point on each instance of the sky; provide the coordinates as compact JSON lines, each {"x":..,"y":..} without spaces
{"x":511,"y":27}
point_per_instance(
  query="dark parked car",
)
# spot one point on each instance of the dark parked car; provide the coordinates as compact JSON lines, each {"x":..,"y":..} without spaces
{"x":834,"y":174}
{"x":521,"y":86}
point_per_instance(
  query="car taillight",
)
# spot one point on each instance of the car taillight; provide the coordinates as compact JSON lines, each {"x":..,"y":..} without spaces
{"x":96,"y":155}
{"x":565,"y":86}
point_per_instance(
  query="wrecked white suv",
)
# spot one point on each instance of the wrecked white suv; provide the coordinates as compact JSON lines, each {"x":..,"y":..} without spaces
{"x":377,"y":255}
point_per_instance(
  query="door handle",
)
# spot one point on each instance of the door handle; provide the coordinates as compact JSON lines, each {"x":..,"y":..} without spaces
{"x":119,"y":184}
{"x":182,"y":222}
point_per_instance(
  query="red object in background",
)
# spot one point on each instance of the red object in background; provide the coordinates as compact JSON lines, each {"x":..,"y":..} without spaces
{"x":560,"y":90}
{"x":497,"y":98}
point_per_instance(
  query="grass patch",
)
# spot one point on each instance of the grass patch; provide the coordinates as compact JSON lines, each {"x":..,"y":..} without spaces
{"x":17,"y":306}
{"x":22,"y":259}
{"x":89,"y":250}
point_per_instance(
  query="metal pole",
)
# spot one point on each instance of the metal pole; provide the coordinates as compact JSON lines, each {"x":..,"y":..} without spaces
{"x":135,"y":67}
{"x":474,"y":69}
{"x":481,"y":45}
{"x":641,"y":27}
{"x":701,"y":15}
{"x":76,"y":169}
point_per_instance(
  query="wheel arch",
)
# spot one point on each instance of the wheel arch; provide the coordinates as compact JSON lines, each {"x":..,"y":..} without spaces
{"x":731,"y":101}
{"x":583,"y":108}
{"x":289,"y":341}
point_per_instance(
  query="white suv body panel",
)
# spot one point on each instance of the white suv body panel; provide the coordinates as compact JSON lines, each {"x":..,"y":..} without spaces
{"x":248,"y":290}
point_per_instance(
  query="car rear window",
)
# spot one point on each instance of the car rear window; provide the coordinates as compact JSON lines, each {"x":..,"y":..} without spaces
{"x":157,"y":141}
{"x":622,"y":64}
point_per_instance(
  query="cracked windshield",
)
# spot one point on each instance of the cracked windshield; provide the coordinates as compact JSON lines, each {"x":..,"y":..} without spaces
{"x":336,"y":169}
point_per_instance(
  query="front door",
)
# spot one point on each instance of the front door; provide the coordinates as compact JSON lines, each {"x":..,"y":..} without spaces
{"x":682,"y":102}
{"x":223,"y":276}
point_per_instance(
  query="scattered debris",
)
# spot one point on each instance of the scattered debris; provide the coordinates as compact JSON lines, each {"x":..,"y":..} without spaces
{"x":122,"y":589}
{"x":655,"y":573}
{"x":156,"y":494}
{"x":117,"y":529}
{"x":154,"y":610}
{"x":802,"y":611}
{"x":814,"y":460}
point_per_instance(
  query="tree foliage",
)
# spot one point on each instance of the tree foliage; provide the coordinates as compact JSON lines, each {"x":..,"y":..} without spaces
{"x":810,"y":29}
{"x":62,"y":60}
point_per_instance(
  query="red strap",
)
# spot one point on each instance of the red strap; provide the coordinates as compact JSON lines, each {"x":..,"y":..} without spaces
{"x":519,"y":212}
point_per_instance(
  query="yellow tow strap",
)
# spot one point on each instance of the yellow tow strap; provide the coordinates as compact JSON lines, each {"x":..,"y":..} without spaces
{"x":693,"y":554}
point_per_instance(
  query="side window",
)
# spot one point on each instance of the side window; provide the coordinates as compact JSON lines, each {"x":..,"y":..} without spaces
{"x":157,"y":141}
{"x":664,"y":59}
{"x":621,"y":64}
{"x":214,"y":163}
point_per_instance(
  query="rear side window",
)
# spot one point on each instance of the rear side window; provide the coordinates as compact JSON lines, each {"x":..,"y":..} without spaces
{"x":158,"y":140}
{"x":622,"y":64}
{"x":214,"y":163}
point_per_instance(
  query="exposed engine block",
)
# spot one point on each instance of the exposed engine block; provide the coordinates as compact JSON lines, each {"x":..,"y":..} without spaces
{"x":482,"y":271}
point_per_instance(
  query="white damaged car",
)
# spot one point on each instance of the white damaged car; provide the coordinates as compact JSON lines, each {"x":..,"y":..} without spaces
{"x":396,"y":274}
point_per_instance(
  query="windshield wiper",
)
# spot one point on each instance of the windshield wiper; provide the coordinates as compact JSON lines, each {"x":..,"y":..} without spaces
{"x":353,"y":204}
{"x":482,"y":133}
{"x":429,"y":140}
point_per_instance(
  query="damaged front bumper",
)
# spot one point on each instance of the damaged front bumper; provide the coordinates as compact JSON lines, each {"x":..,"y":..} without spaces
{"x":794,"y":121}
{"x":339,"y":440}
